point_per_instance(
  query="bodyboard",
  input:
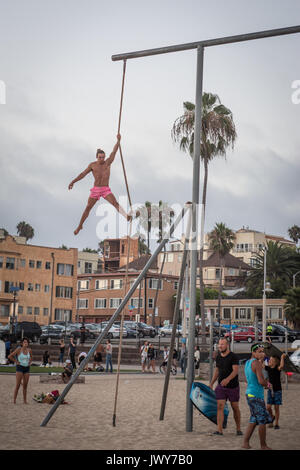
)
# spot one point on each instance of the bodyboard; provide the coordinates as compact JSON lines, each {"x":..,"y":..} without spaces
{"x":271,"y":350}
{"x":204,"y":399}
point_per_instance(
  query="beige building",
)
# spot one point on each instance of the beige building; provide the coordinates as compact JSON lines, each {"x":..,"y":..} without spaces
{"x":244,"y":311}
{"x":250,"y":242}
{"x":89,"y":263}
{"x":45,"y":276}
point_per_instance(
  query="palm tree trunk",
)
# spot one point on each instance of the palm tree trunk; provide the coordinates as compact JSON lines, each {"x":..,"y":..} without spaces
{"x":202,"y":312}
{"x":220,"y":294}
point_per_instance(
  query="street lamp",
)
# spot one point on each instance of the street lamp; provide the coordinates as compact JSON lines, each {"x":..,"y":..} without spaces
{"x":14,"y":291}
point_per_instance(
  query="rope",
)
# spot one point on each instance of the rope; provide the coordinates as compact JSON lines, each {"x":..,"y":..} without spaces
{"x":128,"y":250}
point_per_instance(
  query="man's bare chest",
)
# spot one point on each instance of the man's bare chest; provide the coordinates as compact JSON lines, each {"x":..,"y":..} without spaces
{"x":100,"y":170}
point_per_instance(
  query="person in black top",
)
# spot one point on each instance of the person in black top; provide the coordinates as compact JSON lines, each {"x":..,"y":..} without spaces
{"x":72,"y":351}
{"x":275,"y":391}
{"x":226,"y":372}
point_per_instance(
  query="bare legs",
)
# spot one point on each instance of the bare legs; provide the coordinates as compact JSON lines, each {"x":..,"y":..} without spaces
{"x":19,"y":377}
{"x":91,"y":202}
{"x":261,"y":433}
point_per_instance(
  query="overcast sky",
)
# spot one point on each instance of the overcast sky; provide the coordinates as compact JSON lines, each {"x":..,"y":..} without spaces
{"x":62,"y":93}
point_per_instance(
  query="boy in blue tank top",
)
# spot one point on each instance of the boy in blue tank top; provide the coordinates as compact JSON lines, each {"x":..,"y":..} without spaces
{"x":256,"y":383}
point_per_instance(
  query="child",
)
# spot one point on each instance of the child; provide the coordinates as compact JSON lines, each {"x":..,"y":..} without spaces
{"x":67,"y":372}
{"x":275,"y":391}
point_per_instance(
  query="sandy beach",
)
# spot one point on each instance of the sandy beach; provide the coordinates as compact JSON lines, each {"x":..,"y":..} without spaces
{"x":86,"y":422}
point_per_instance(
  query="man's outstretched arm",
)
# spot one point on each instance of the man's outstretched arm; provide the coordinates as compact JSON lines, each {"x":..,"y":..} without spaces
{"x":115,"y":149}
{"x":82,"y":175}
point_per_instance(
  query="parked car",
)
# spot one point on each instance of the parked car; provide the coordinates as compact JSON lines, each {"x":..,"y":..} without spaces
{"x":51,"y":334}
{"x":246,"y":333}
{"x":114,"y":331}
{"x":142,"y":328}
{"x":167,"y":330}
{"x":279,"y":332}
{"x":295,"y":357}
{"x":30,"y":330}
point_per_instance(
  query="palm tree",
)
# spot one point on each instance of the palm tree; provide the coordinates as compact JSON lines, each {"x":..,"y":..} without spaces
{"x":25,"y":230}
{"x":281,"y":263}
{"x":218,"y":133}
{"x":293,"y":306}
{"x":221,"y":240}
{"x":294,"y":233}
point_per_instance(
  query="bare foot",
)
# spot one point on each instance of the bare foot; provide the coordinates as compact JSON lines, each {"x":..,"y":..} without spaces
{"x":246,"y":446}
{"x":266,"y":448}
{"x":78,"y":229}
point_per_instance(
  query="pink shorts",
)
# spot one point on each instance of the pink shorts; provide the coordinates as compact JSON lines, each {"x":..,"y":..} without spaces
{"x":100,"y":191}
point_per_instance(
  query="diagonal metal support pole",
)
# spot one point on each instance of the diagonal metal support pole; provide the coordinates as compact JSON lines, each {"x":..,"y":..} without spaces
{"x":116,"y":314}
{"x":175,"y":318}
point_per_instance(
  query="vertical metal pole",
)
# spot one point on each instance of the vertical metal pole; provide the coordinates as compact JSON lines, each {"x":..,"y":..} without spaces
{"x":264,"y":315}
{"x":194,"y":238}
{"x":175,"y":319}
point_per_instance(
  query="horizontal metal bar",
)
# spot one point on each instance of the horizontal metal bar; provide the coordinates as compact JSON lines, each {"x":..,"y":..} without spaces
{"x":209,"y":42}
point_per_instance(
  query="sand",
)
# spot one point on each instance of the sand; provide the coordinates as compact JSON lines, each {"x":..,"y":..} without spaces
{"x":86,"y":422}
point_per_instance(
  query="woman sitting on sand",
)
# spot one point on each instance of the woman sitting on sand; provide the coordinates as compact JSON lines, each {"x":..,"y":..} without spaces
{"x":22,"y":356}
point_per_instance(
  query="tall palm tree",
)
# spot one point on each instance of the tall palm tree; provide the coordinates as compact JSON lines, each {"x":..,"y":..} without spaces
{"x":218,"y":133}
{"x":281,"y":262}
{"x":221,"y":240}
{"x":293,"y":306}
{"x":294,"y":233}
{"x":25,"y":230}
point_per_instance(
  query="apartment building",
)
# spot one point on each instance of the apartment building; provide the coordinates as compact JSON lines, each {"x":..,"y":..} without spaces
{"x":250,"y":242}
{"x":115,"y":251}
{"x":46,"y":279}
{"x":101,"y":294}
{"x":89,"y":263}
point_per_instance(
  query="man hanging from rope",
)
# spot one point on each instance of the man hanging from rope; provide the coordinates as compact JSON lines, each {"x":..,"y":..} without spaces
{"x":101,"y":173}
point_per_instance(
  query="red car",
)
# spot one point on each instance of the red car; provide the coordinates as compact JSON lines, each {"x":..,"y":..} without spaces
{"x":246,"y":333}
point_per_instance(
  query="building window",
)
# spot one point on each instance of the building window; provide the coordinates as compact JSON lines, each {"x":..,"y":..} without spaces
{"x":36,"y":311}
{"x":64,"y":269}
{"x":62,"y":314}
{"x":275,"y":313}
{"x":20,"y":309}
{"x":45,"y":312}
{"x":38,"y":288}
{"x":82,"y":303}
{"x":154,"y":283}
{"x":116,"y":283}
{"x":29,"y":310}
{"x":22,"y":263}
{"x":7,"y":286}
{"x":21,"y":285}
{"x":88,"y":268}
{"x":83,"y":285}
{"x":134,"y":301}
{"x":150,"y":302}
{"x":1,"y":261}
{"x":226,"y":313}
{"x":100,"y":303}
{"x":101,"y":284}
{"x":10,"y":263}
{"x":170,"y":258}
{"x":48,"y":265}
{"x":4,"y":310}
{"x":31,"y":263}
{"x":30,"y":287}
{"x":243,"y":313}
{"x":218,"y":273}
{"x":114,"y":303}
{"x":176,"y":285}
{"x":64,"y":292}
{"x":47,"y":288}
{"x":38,"y":264}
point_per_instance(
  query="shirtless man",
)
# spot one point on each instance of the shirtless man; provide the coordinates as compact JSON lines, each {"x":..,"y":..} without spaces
{"x":101,"y":173}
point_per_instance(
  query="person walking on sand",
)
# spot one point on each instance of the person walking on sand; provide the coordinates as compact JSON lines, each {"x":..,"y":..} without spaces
{"x":61,"y":351}
{"x":275,"y":391}
{"x":256,"y":383}
{"x":226,"y":372}
{"x":144,"y":355}
{"x":72,"y":351}
{"x":108,"y":351}
{"x":101,"y":172}
{"x":22,"y":356}
{"x":151,"y":358}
